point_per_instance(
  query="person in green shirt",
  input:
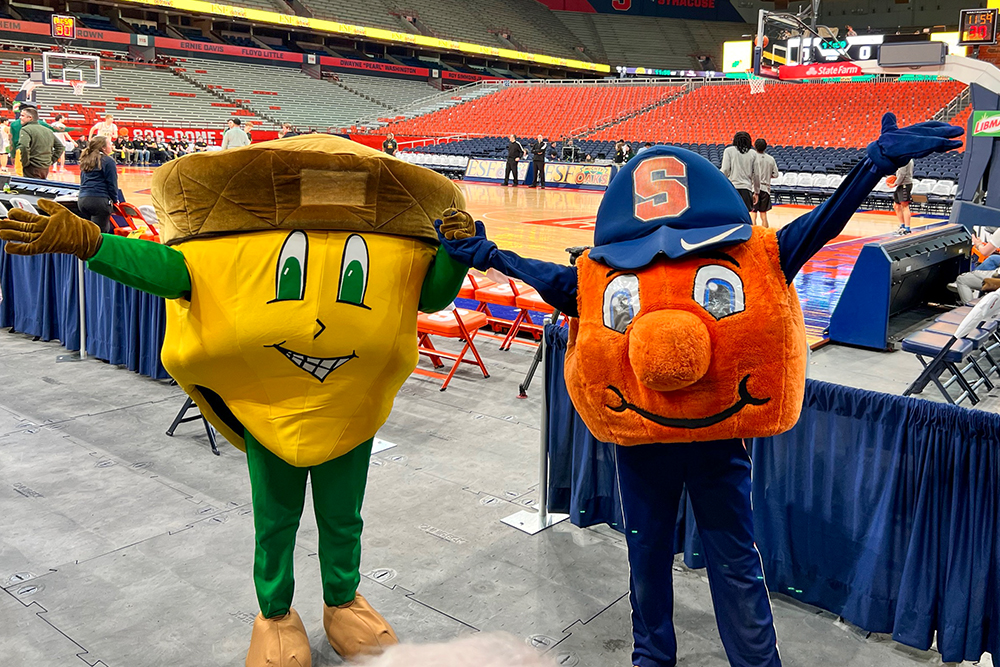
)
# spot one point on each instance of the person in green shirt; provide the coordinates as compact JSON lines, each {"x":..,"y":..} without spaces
{"x":15,"y":137}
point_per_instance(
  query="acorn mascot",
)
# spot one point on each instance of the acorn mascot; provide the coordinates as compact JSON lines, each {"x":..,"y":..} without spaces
{"x":686,"y":331}
{"x":293,"y":271}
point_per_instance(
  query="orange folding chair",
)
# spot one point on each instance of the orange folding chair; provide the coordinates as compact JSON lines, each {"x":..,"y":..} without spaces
{"x":501,"y":294}
{"x":458,"y":324}
{"x":137,"y":223}
{"x":473,"y":282}
{"x":527,"y":302}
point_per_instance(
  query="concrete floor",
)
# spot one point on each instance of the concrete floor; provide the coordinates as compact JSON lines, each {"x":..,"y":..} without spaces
{"x":122,"y":547}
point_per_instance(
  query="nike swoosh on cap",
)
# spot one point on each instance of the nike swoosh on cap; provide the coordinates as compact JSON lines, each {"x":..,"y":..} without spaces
{"x":715,"y":239}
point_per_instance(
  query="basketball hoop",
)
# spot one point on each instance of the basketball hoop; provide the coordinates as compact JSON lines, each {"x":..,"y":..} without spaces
{"x":78,"y":86}
{"x":756,"y":83}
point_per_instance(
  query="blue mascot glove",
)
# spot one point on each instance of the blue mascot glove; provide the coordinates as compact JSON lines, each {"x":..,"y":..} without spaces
{"x":475,"y":250}
{"x":898,"y":145}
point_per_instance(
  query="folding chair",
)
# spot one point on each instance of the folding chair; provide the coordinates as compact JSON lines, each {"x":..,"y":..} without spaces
{"x":138,"y":225}
{"x":182,"y":418}
{"x":527,"y":302}
{"x":501,"y":295}
{"x":458,"y":324}
{"x":473,"y":282}
{"x":947,"y":348}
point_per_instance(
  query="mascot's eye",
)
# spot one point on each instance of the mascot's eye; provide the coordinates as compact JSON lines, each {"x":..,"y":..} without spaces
{"x":621,"y":302}
{"x":290,"y":283}
{"x":354,"y":272}
{"x":719,"y":291}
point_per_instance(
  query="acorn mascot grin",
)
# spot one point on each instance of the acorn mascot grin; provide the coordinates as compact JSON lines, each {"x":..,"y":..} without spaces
{"x":686,"y":337}
{"x":293,"y":272}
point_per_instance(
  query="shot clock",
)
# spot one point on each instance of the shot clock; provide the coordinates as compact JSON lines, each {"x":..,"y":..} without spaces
{"x":977,"y":27}
{"x":63,"y":27}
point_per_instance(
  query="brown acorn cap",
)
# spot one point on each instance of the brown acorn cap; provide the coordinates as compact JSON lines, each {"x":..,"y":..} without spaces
{"x":313,"y":181}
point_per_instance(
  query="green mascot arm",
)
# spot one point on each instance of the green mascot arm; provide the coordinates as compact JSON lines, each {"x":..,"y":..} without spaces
{"x":442,"y":283}
{"x":145,"y":265}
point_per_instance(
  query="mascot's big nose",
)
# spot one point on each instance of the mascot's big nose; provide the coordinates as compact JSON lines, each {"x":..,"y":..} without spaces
{"x":669,"y":349}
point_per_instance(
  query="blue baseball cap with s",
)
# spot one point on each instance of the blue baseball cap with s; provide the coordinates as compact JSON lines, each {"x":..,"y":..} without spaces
{"x":667,"y":201}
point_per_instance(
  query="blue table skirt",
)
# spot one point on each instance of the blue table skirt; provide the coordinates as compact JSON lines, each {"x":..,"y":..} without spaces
{"x":882,"y":509}
{"x":124,"y":326}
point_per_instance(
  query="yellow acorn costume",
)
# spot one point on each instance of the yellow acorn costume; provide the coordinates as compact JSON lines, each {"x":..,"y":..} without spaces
{"x":293,"y":270}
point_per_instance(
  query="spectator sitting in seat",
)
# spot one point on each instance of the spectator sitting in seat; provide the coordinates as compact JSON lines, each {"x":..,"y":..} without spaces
{"x":200,"y":145}
{"x":156,"y":154}
{"x":967,"y":284}
{"x":123,"y":149}
{"x":141,"y":152}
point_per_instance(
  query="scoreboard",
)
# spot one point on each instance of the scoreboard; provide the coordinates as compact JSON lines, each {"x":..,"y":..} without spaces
{"x":977,"y":27}
{"x":63,"y":27}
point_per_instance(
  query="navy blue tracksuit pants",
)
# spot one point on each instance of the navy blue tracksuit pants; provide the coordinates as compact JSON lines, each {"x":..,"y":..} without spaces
{"x":717,"y":476}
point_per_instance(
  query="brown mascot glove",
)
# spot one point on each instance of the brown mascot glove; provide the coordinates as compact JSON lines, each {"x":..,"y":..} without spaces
{"x":58,"y":232}
{"x":991,"y":284}
{"x":457,"y":224}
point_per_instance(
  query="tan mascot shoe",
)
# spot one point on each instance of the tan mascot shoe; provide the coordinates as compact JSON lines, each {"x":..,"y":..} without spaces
{"x":356,"y":629}
{"x":279,"y":642}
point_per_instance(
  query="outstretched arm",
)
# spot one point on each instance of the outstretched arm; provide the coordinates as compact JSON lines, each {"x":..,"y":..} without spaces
{"x":803,"y":238}
{"x":144,"y":265}
{"x":555,"y":283}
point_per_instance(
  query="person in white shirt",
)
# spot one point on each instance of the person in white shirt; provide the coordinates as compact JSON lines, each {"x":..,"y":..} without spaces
{"x":766,"y":169}
{"x":739,"y":164}
{"x":106,"y":129}
{"x":234,"y":137}
{"x":903,"y":195}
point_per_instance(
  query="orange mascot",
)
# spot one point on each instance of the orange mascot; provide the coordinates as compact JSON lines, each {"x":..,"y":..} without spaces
{"x":686,"y":337}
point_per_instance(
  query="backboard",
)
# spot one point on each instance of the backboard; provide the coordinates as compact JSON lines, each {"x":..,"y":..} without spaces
{"x":60,"y":68}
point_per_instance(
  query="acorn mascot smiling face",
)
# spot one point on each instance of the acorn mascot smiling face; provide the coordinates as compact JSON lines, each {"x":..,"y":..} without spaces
{"x":686,"y":337}
{"x":293,"y":270}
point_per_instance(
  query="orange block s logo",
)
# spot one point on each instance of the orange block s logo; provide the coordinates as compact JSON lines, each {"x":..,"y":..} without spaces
{"x":660,"y":190}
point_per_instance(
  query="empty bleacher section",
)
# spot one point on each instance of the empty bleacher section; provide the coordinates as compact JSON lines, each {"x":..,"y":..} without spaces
{"x":266,"y":5}
{"x":284,"y":94}
{"x":549,"y":109}
{"x":149,"y":94}
{"x":395,"y":94}
{"x":644,"y":41}
{"x":816,"y":114}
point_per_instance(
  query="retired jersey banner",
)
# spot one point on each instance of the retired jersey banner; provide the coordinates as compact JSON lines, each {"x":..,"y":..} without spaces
{"x":373,"y":67}
{"x":170,"y":44}
{"x":986,"y":123}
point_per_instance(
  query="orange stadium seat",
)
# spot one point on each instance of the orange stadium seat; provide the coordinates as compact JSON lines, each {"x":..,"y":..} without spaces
{"x":844,"y":114}
{"x":550,"y":110}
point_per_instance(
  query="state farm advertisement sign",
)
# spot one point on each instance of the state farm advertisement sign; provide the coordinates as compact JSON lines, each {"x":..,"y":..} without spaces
{"x":818,"y":70}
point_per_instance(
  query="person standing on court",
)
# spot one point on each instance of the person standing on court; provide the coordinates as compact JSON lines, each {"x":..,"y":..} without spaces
{"x":538,"y":149}
{"x":739,"y":165}
{"x":389,"y":145}
{"x":901,"y":198}
{"x":515,"y":151}
{"x":98,"y":183}
{"x":766,"y":169}
{"x":234,"y":137}
{"x":37,"y":145}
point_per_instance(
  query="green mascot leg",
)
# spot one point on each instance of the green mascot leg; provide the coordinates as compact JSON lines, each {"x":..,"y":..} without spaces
{"x":338,"y":488}
{"x":278,"y":490}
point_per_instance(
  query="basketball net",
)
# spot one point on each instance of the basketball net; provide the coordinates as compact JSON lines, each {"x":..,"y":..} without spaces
{"x":78,"y":87}
{"x":756,"y":83}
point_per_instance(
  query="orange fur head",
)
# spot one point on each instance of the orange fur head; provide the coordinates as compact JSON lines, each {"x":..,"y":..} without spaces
{"x":704,"y":347}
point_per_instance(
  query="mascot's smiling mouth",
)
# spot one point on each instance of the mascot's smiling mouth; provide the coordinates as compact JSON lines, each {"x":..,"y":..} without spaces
{"x":318,"y":367}
{"x":745,"y":400}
